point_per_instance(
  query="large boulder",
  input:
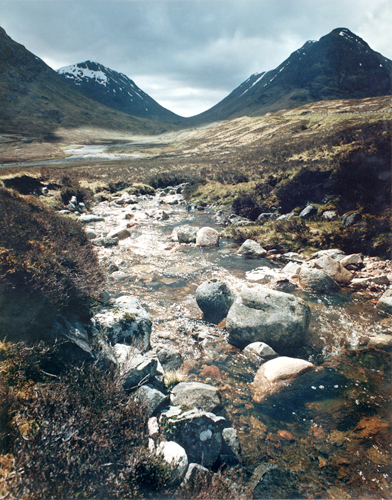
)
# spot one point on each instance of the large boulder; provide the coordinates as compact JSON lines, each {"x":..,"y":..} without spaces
{"x":207,"y":237}
{"x":198,"y":432}
{"x":279,"y":375}
{"x":352,"y":262}
{"x":315,"y":280}
{"x":139,"y":370}
{"x":334,"y":269}
{"x":125,"y":322}
{"x":252,"y":250}
{"x":196,"y":395}
{"x":215,"y":299}
{"x":260,"y":314}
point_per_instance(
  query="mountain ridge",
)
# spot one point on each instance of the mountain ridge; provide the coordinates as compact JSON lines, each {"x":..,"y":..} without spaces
{"x":115,"y":90}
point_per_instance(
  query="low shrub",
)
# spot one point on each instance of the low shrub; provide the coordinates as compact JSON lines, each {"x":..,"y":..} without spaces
{"x":45,"y":260}
{"x":71,"y":187}
{"x":78,"y":436}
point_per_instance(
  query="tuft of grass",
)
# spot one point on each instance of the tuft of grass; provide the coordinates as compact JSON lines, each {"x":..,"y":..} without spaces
{"x":172,"y":378}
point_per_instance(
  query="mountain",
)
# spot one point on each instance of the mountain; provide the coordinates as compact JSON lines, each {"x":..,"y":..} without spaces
{"x":115,"y":90}
{"x":339,"y":66}
{"x":36,"y":100}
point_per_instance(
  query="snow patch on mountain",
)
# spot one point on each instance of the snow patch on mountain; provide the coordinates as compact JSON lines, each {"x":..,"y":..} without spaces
{"x":78,"y":73}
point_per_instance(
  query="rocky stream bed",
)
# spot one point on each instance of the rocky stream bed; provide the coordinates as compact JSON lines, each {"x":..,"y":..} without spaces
{"x":306,"y":416}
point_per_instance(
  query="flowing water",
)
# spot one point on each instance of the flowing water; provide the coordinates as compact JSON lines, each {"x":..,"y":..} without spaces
{"x":331,"y":441}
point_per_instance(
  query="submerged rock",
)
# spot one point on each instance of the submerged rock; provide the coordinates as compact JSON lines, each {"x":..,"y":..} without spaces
{"x":260,"y":314}
{"x":215,"y":299}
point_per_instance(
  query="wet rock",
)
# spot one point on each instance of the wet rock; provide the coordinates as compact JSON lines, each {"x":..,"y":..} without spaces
{"x":308,"y":212}
{"x":384,"y":303}
{"x":252,"y":249}
{"x":88,"y":218}
{"x":334,"y":269}
{"x":186,"y":234}
{"x":315,"y":280}
{"x":370,"y":280}
{"x":196,"y":395}
{"x":270,"y":481}
{"x":121,"y":233}
{"x":279,"y":319}
{"x":352,"y":262}
{"x":207,"y":237}
{"x":176,"y":456}
{"x":381,"y":341}
{"x":231,"y":448}
{"x":214,"y":298}
{"x":282,"y":285}
{"x":154,"y":400}
{"x":291,"y":268}
{"x":125,"y":322}
{"x":199,"y":432}
{"x":260,"y":349}
{"x":350,"y":219}
{"x":105,"y":241}
{"x":279,"y":375}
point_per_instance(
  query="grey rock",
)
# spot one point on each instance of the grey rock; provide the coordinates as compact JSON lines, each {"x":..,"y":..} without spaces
{"x":231,"y":448}
{"x":384,"y":303}
{"x":139,"y":370}
{"x":215,"y":299}
{"x":252,"y":249}
{"x":286,"y":216}
{"x":334,"y":253}
{"x":271,"y":481}
{"x":267,"y":216}
{"x":193,"y":472}
{"x":279,"y":319}
{"x":291,"y":268}
{"x":260,"y":349}
{"x":207,"y":237}
{"x":154,"y":400}
{"x":350,"y":219}
{"x":176,"y":456}
{"x":198,"y":432}
{"x":170,"y":360}
{"x":196,"y":395}
{"x":88,"y":218}
{"x":105,"y":241}
{"x":279,"y":375}
{"x":125,"y":322}
{"x":329,"y":215}
{"x":334,"y":269}
{"x":75,"y":346}
{"x":121,"y":233}
{"x":316,"y":280}
{"x":187,"y":234}
{"x":308,"y":212}
{"x":352,"y":262}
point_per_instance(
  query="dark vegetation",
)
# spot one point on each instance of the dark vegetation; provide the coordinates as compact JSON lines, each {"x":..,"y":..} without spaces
{"x":47,"y":265}
{"x":81,"y":435}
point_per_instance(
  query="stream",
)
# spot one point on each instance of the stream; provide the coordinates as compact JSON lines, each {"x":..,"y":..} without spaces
{"x":333,"y":442}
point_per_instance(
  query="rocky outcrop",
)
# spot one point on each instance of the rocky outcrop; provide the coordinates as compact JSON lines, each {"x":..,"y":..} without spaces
{"x":259,"y":314}
{"x":308,"y":212}
{"x":215,"y":299}
{"x":125,"y":322}
{"x":279,"y":375}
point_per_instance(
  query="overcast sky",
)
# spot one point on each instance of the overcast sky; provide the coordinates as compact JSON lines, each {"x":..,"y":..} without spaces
{"x":187,"y":54}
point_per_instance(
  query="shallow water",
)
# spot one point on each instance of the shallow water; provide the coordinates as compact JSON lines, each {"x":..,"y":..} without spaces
{"x":333,"y":437}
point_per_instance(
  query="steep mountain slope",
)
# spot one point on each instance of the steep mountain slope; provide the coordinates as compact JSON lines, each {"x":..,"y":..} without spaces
{"x":35,"y":99}
{"x":339,"y":66}
{"x":115,"y":90}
